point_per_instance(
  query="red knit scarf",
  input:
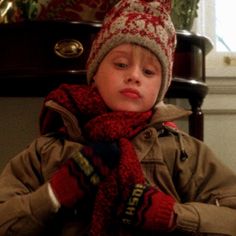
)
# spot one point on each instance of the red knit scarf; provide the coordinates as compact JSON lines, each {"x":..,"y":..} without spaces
{"x":101,"y":124}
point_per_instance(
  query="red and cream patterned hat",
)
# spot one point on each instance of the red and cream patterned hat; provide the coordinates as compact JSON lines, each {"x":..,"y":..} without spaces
{"x":145,"y":23}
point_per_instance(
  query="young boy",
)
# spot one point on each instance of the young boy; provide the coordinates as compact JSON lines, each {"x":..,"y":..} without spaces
{"x":106,"y":162}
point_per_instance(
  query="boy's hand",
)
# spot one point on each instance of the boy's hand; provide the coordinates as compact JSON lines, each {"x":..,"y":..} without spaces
{"x":83,"y":171}
{"x":149,"y":209}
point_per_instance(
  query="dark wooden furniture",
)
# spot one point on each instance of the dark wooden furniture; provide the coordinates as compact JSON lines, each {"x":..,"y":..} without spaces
{"x":36,"y":57}
{"x":189,"y":76}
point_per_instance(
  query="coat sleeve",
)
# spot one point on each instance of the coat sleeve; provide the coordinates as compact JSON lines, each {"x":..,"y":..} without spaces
{"x":25,"y":204}
{"x":208,"y":191}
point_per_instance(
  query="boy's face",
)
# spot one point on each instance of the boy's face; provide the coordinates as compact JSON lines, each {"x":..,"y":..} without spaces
{"x":129,"y":79}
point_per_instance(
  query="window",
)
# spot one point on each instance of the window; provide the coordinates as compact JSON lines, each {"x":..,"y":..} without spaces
{"x":217,"y":20}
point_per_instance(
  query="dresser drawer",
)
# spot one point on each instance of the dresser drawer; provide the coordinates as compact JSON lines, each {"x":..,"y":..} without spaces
{"x":40,"y":53}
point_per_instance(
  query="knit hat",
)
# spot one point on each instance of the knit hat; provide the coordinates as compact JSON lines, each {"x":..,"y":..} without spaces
{"x":145,"y":23}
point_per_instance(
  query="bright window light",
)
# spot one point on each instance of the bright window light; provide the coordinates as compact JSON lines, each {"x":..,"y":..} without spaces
{"x":225,"y":25}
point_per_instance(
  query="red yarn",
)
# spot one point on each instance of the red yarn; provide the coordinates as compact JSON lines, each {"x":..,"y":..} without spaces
{"x":125,"y":176}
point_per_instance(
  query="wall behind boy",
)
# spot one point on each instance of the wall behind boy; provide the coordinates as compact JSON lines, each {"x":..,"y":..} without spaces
{"x":220,"y":118}
{"x":18,"y":125}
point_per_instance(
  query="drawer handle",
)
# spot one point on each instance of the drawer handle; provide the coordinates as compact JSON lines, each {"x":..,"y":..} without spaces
{"x":68,"y":48}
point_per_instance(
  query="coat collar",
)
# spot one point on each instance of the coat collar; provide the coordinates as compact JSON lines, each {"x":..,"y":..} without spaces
{"x":168,"y":112}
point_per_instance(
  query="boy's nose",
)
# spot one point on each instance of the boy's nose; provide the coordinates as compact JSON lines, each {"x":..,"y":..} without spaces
{"x":133,"y":76}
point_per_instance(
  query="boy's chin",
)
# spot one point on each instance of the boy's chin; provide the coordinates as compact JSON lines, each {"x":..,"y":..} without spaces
{"x":129,"y":109}
{"x":128,"y":106}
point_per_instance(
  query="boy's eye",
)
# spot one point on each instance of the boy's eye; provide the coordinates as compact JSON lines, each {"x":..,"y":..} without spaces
{"x":120,"y":65}
{"x":149,"y":72}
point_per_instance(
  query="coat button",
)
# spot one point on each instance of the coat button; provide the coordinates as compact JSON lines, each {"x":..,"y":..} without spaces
{"x":147,"y":134}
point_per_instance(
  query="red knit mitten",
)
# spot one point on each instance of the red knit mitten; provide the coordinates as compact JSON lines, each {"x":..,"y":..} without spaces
{"x":82,"y":172}
{"x":149,"y":209}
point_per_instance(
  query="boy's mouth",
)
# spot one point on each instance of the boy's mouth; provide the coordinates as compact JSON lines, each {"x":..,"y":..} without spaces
{"x":131,"y":93}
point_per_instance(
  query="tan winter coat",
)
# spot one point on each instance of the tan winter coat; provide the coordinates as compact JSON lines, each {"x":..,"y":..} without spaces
{"x":205,"y":190}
